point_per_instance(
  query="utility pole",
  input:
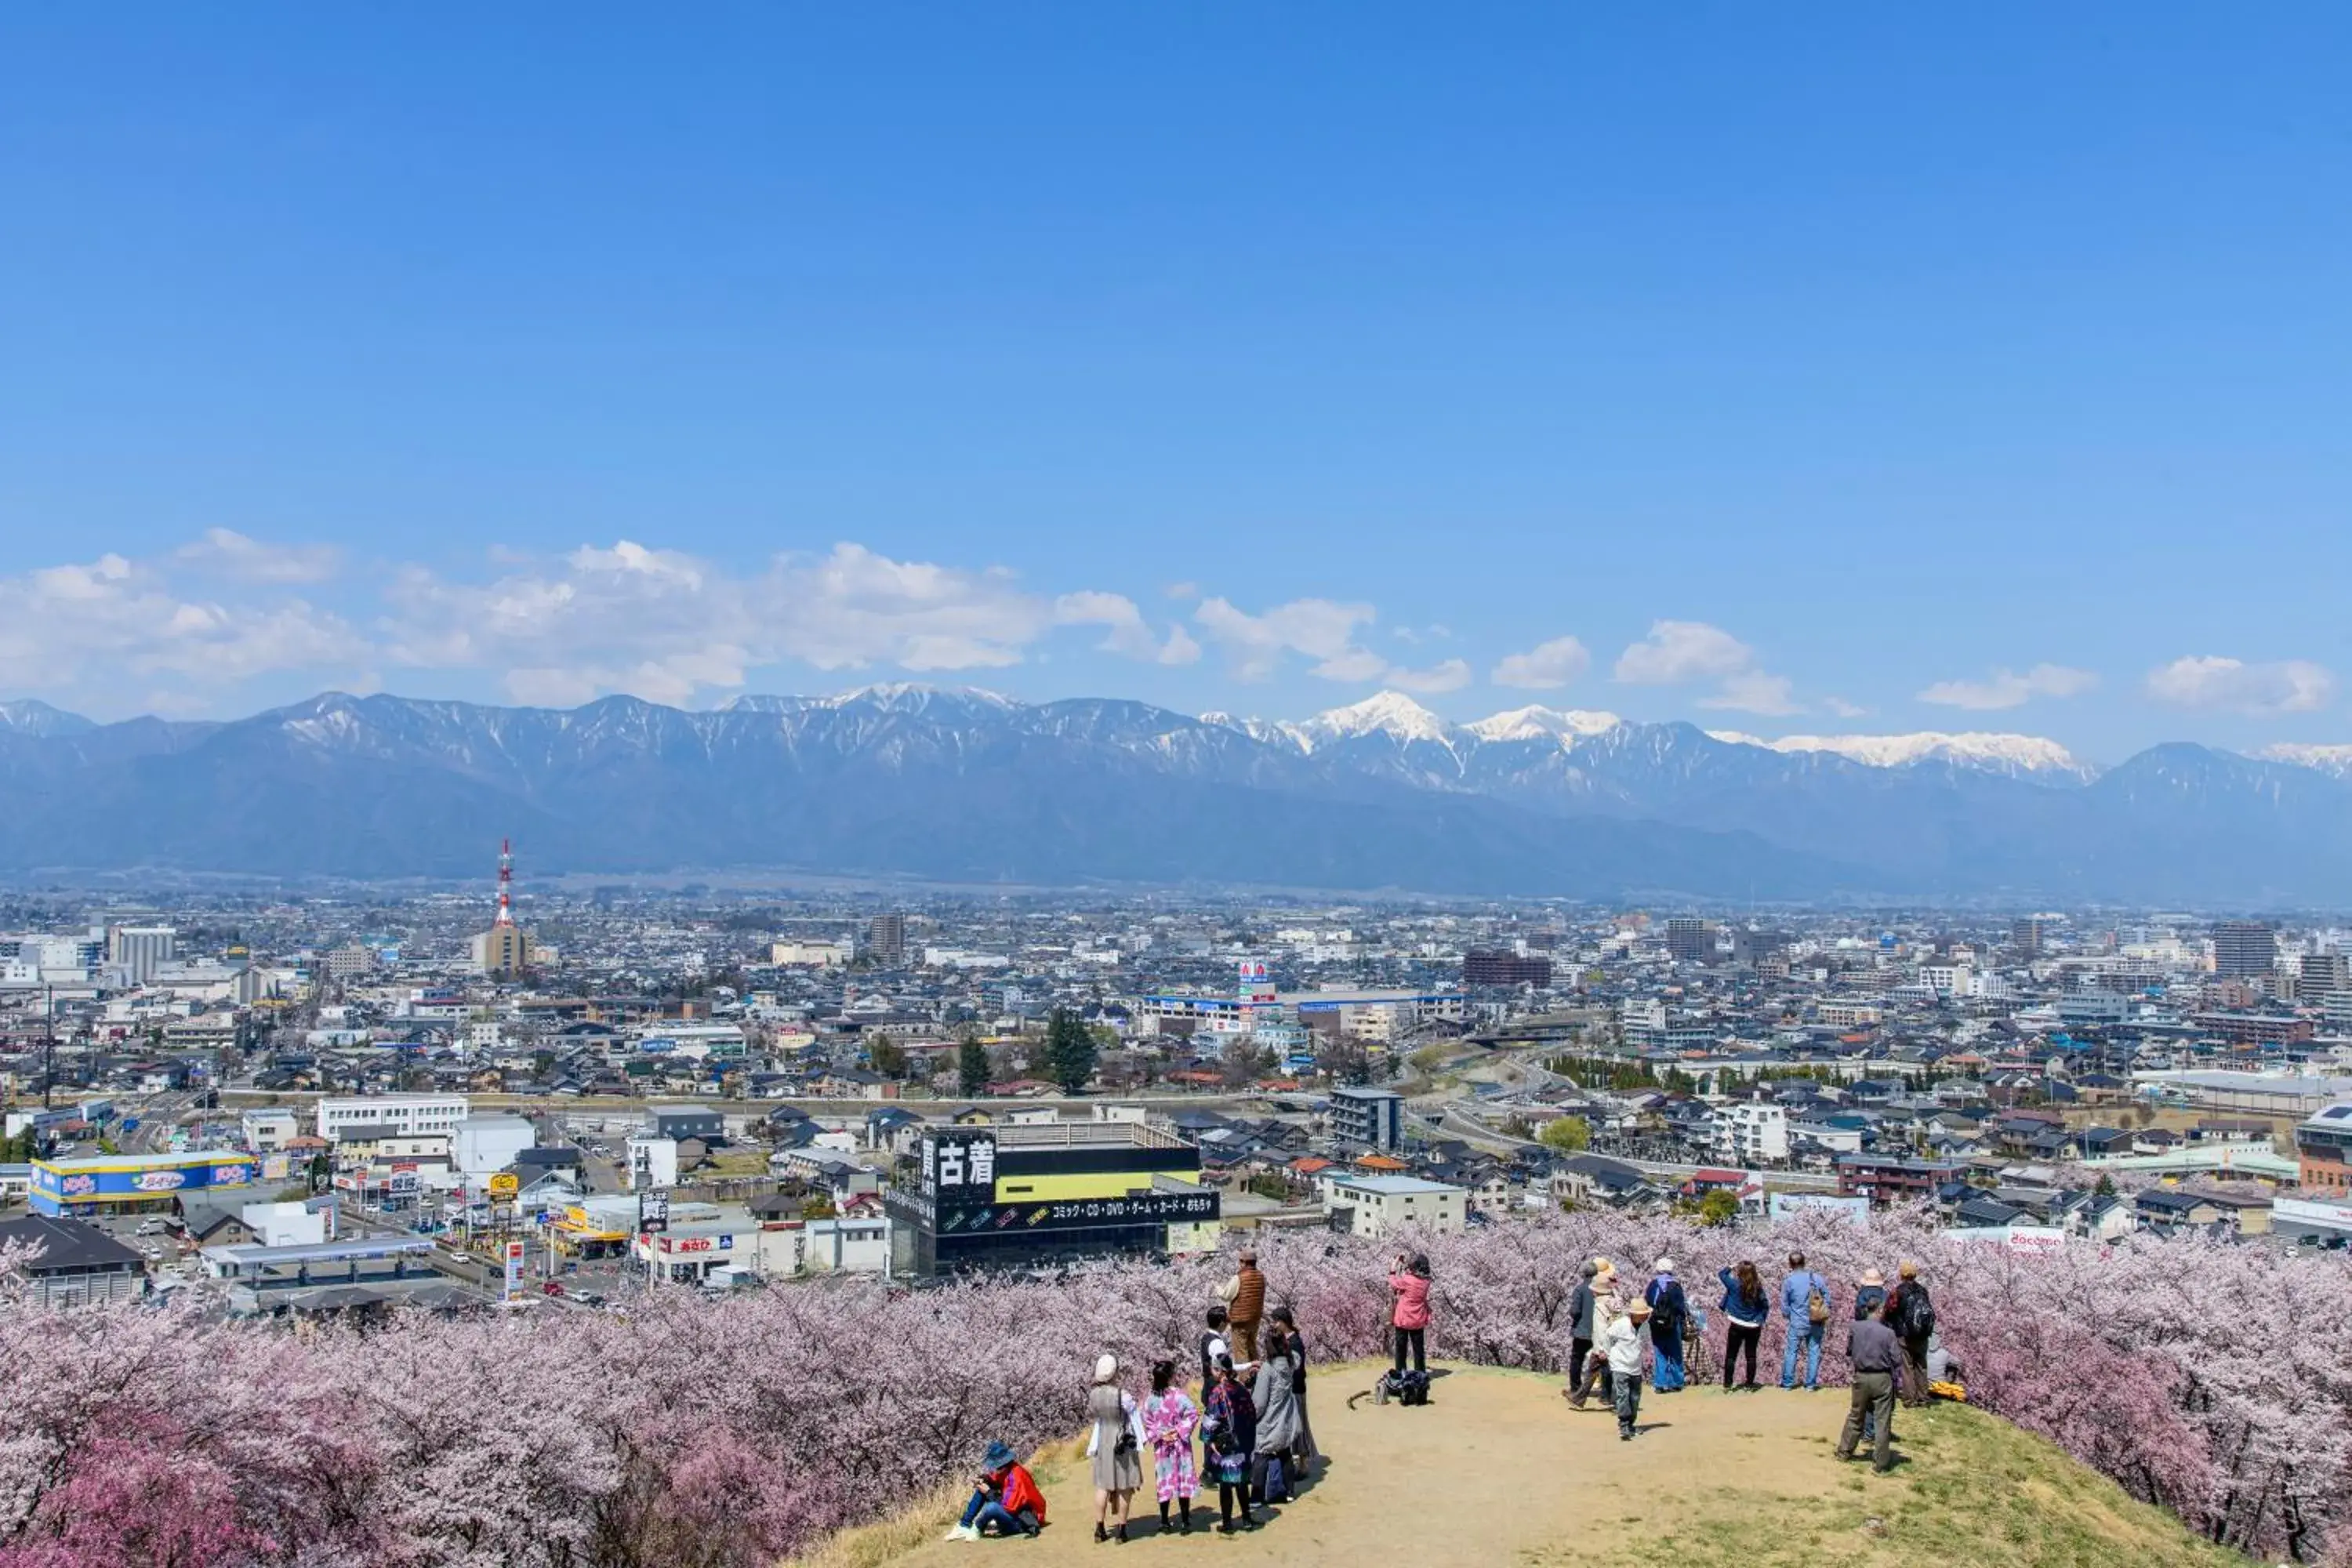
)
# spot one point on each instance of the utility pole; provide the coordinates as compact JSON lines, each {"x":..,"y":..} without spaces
{"x":50,"y":1051}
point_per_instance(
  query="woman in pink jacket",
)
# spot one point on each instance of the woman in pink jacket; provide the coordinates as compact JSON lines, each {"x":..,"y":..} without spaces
{"x":1409,"y":1280}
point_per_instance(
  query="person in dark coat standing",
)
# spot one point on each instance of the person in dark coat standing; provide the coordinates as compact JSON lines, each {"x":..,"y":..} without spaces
{"x":1283,"y":1319}
{"x":1912,"y":1318}
{"x":1582,"y":1368}
{"x":1669,"y":1316}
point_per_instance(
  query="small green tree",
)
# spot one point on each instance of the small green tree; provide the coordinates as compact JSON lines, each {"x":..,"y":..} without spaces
{"x":2107,"y":1187}
{"x":971,"y":1066}
{"x":889,"y":1057}
{"x":1069,"y":1051}
{"x":1568,"y":1134}
{"x":1718,"y":1208}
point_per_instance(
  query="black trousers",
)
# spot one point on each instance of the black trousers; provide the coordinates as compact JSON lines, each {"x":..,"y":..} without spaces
{"x":1413,"y":1338}
{"x":1741,"y":1338}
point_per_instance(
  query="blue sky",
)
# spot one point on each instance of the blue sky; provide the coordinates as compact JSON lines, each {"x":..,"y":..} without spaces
{"x":1801,"y":366}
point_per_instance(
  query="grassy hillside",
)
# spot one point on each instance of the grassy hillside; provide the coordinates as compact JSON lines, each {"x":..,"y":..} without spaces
{"x":1498,"y":1469}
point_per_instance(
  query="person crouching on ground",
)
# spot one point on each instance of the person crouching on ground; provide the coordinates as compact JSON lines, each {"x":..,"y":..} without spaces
{"x":1228,"y":1435}
{"x":1621,"y":1344}
{"x":1409,"y":1280}
{"x":1006,"y":1498}
{"x":1877,"y":1362}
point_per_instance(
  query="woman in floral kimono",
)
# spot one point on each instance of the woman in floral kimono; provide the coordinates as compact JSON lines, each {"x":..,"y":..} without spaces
{"x":1170,"y":1419}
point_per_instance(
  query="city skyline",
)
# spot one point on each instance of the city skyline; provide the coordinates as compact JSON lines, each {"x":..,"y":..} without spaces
{"x":1872,"y":378}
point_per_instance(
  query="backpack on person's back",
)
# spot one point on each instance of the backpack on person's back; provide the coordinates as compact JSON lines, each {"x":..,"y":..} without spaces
{"x":1817,"y":1299}
{"x":1914,"y":1315}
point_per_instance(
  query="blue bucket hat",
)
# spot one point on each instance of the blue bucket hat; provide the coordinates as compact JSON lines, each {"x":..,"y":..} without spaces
{"x":997,"y":1456}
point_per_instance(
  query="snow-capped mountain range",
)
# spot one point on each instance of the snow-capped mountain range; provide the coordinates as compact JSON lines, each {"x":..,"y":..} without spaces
{"x":970,"y":786}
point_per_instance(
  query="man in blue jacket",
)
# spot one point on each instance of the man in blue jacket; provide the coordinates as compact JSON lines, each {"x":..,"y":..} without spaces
{"x":1805,"y":1309}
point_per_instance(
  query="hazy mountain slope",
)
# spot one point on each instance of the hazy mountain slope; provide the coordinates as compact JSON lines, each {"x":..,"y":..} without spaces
{"x":968,"y":785}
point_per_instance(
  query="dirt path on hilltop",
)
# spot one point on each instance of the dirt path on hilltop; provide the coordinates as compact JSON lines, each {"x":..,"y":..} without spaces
{"x":1496,"y":1469}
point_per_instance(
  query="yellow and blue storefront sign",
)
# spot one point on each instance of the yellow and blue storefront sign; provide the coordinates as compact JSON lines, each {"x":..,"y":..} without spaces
{"x":103,"y":1183}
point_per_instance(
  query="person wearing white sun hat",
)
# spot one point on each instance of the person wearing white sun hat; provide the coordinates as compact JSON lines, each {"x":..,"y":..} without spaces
{"x":1116,"y":1448}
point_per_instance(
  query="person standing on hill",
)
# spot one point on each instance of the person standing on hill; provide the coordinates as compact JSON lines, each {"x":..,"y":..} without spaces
{"x":1217,"y":1341}
{"x":1229,"y":1435}
{"x":1745,"y":1305}
{"x":1582,"y":1307}
{"x":1805,"y":1308}
{"x":1287,"y":1325}
{"x":1621,"y":1344}
{"x":1409,"y":1280}
{"x":1869,"y":1302}
{"x":1116,"y":1447}
{"x":1912,"y":1318}
{"x":1669,"y":1314}
{"x":1244,"y":1295}
{"x":1877,"y":1359}
{"x":1170,"y":1419}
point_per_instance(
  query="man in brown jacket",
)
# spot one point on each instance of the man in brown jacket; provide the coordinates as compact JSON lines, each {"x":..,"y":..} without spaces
{"x":1244,"y":1295}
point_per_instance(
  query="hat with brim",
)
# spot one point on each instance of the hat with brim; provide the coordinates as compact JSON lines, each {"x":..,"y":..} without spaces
{"x":1873,"y":1277}
{"x":1638,"y":1309}
{"x":997,"y":1458}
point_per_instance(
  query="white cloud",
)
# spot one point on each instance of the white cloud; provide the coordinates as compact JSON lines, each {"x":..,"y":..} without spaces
{"x":1323,"y":630}
{"x":1130,"y":636}
{"x":2010,"y":689}
{"x":85,"y":627}
{"x":1753,"y":691}
{"x":2286,"y":686}
{"x":1452,"y":675}
{"x":233,"y":555}
{"x":1842,"y":708}
{"x":1678,"y":652}
{"x":1545,"y":667}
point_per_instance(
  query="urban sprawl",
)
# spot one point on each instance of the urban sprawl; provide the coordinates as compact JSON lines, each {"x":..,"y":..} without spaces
{"x":472,"y":1101}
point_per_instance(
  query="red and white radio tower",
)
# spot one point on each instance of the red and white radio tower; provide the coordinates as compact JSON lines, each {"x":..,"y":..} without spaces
{"x":505,"y":883}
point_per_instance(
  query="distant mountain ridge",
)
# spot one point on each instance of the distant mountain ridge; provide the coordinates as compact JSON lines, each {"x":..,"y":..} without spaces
{"x":967,"y":785}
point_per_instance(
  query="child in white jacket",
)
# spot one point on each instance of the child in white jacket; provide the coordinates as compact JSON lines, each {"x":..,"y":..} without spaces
{"x":1620,"y":1343}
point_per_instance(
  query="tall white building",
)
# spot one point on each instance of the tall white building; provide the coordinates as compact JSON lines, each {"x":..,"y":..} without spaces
{"x":139,"y":951}
{"x":1752,"y":1132}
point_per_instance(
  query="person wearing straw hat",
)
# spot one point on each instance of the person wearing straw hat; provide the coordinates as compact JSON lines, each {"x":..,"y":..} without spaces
{"x":1621,"y":1346}
{"x":1116,"y":1448}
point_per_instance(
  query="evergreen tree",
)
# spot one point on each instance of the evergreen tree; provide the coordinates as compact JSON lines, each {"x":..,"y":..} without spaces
{"x":971,"y":1066}
{"x":1069,"y":1050}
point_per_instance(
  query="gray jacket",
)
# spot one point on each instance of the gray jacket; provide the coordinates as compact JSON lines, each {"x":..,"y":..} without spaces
{"x":1580,"y":1308}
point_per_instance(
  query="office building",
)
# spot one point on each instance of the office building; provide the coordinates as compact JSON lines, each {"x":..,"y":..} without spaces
{"x":2323,"y":974}
{"x":139,"y":951}
{"x":1016,"y":1196}
{"x":1885,"y":1179}
{"x":2323,"y":1147}
{"x":1689,"y":940}
{"x":1497,"y":966}
{"x":2027,"y":935}
{"x":886,"y":940}
{"x":2243,"y":948}
{"x":1374,"y":1206}
{"x":400,"y":1115}
{"x":1372,"y":1117}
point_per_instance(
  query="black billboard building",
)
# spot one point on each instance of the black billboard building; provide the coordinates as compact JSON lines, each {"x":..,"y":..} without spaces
{"x":1014,"y":1196}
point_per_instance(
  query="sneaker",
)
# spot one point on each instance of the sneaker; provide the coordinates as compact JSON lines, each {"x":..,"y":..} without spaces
{"x":1626,"y":1434}
{"x":963,"y":1532}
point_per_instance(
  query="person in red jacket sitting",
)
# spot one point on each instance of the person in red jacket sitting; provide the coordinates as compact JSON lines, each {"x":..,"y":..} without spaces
{"x":1007,"y":1498}
{"x":1409,"y":1280}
